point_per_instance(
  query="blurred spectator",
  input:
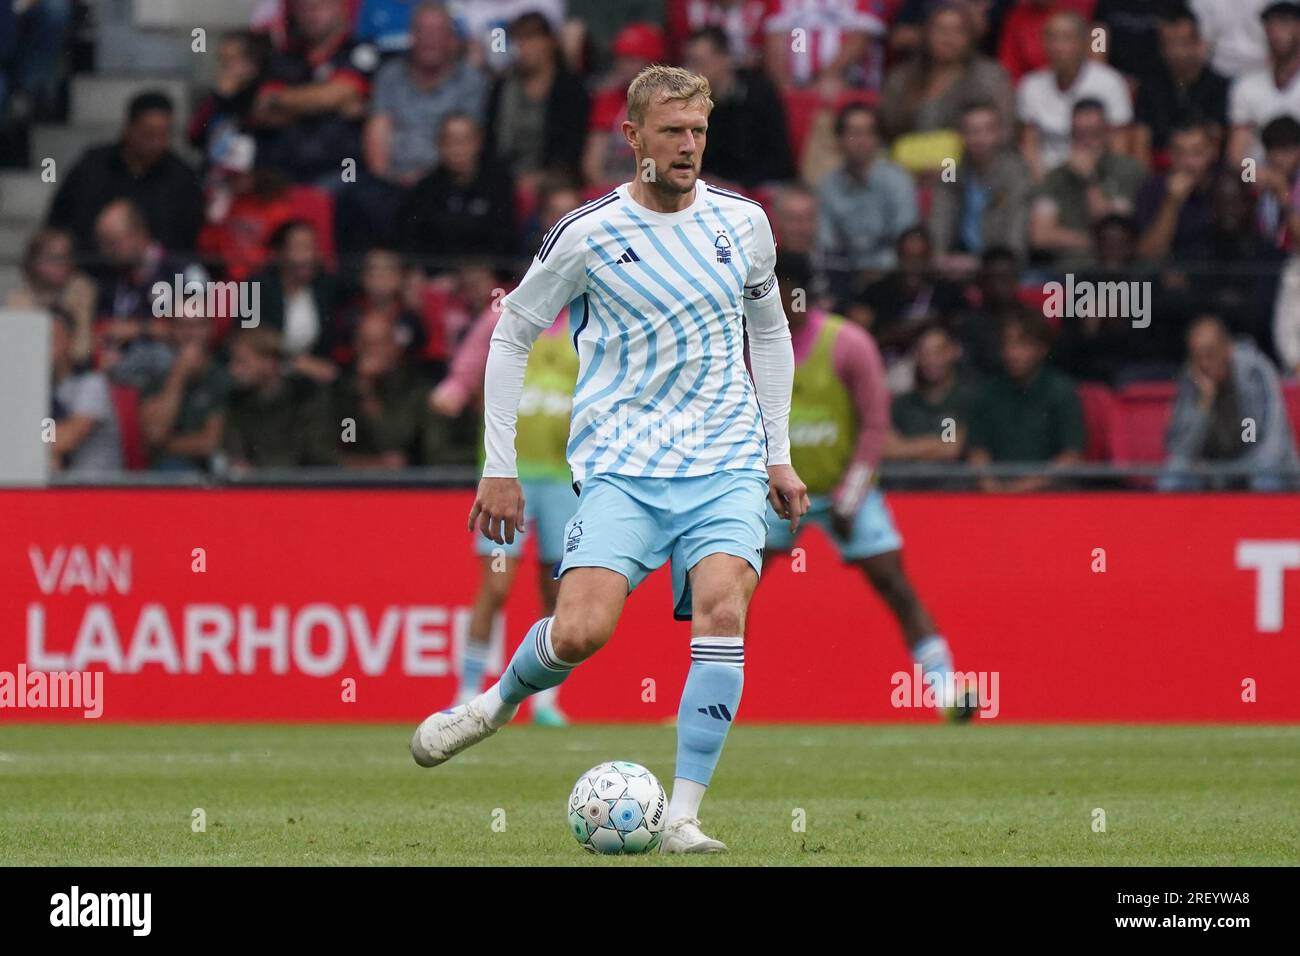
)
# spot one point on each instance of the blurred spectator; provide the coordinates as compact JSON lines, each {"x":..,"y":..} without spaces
{"x":414,"y":93}
{"x":864,"y":206}
{"x":557,"y":195}
{"x":1021,"y":47}
{"x":240,"y":241}
{"x":1229,"y":408}
{"x":485,"y":26}
{"x":381,"y":298}
{"x":182,"y":412}
{"x":607,"y":158}
{"x":1236,"y":34}
{"x":592,"y":25}
{"x":978,"y":326}
{"x":308,"y":112}
{"x":740,"y":20}
{"x":384,"y":399}
{"x":86,"y":435}
{"x":748,"y":141}
{"x":50,"y":278}
{"x":1094,"y":183}
{"x":1184,"y":89}
{"x":794,"y":218}
{"x":137,"y":295}
{"x":1175,"y":210}
{"x":1279,"y":224}
{"x":1045,"y":98}
{"x":986,"y":202}
{"x":242,"y":59}
{"x":895,"y":308}
{"x":35,"y":31}
{"x":1240,"y":281}
{"x":537,"y":111}
{"x":1131,"y":33}
{"x":930,"y":421}
{"x":1098,"y":346}
{"x":841,"y":44}
{"x":140,"y":167}
{"x":1028,"y":413}
{"x":1271,"y":91}
{"x":465,"y":207}
{"x":298,"y":299}
{"x":931,"y":91}
{"x":275,"y":418}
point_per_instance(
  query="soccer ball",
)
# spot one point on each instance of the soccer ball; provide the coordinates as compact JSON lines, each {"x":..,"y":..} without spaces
{"x":617,"y":807}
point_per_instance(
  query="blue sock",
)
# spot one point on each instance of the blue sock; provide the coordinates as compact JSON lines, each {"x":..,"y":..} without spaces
{"x":473,"y":664}
{"x":709,"y":702}
{"x":935,"y":658}
{"x":534,"y":666}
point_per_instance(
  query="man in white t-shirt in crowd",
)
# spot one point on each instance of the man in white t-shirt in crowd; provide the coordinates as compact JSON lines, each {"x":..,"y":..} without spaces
{"x":1265,"y":94}
{"x":1235,"y":33}
{"x":1045,"y":98}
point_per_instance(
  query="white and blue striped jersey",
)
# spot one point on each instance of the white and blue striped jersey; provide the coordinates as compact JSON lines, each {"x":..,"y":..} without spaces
{"x":657,"y":304}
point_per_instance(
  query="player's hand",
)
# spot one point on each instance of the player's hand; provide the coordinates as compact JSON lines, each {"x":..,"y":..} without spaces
{"x":789,"y":495}
{"x":841,"y":524}
{"x":498,"y":509}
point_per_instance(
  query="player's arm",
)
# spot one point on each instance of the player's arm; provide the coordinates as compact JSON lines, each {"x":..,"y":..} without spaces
{"x":858,"y":364}
{"x":556,"y":276}
{"x":771,"y":360}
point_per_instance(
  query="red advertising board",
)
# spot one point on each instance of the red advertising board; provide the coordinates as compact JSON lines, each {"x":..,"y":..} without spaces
{"x":345,"y":605}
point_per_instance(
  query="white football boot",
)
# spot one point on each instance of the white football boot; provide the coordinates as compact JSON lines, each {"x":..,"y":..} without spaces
{"x":442,"y":735}
{"x":683,"y":836}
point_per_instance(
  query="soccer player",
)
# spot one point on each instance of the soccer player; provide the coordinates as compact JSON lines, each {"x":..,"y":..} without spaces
{"x":673,"y":447}
{"x":839,"y":417}
{"x":543,"y":432}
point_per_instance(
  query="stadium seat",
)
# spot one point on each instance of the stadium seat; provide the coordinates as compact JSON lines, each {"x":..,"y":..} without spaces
{"x":1291,"y":398}
{"x":1097,"y":402}
{"x":1139,"y":416}
{"x":126,"y":405}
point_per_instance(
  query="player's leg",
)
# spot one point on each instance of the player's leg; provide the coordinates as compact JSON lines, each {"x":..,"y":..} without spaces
{"x":876,"y":547}
{"x":554,"y":506}
{"x":607,"y":542}
{"x":546,"y":709}
{"x":496,"y":575}
{"x":722,"y":548}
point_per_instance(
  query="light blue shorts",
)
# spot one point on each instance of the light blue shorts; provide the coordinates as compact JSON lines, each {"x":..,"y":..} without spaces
{"x":633,"y":525}
{"x":548,"y":506}
{"x":873,"y":528}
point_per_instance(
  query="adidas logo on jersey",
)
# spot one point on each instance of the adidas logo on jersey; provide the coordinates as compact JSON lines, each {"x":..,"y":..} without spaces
{"x":629,"y":256}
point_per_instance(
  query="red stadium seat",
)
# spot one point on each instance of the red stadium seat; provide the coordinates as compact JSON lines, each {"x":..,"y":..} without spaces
{"x":126,"y":405}
{"x":1097,"y":402}
{"x":1139,"y":416}
{"x":1291,"y":397}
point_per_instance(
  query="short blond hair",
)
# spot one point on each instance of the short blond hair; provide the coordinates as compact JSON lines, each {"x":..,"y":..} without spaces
{"x":658,"y":83}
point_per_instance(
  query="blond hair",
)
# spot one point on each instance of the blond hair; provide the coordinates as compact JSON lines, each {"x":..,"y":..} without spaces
{"x":658,"y":83}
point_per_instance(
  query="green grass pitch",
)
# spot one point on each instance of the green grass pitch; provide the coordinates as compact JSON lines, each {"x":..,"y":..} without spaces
{"x":916,"y":794}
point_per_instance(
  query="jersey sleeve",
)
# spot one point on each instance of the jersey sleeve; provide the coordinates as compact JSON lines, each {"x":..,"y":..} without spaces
{"x":760,"y":281}
{"x":557,"y":276}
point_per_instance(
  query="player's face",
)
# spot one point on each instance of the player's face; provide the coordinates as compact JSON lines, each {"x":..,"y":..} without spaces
{"x":672,"y":137}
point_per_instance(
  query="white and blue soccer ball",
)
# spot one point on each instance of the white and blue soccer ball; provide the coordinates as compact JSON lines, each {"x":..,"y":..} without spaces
{"x":617,"y":807}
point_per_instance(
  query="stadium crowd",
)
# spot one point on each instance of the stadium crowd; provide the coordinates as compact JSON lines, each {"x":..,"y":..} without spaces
{"x":953,"y":175}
